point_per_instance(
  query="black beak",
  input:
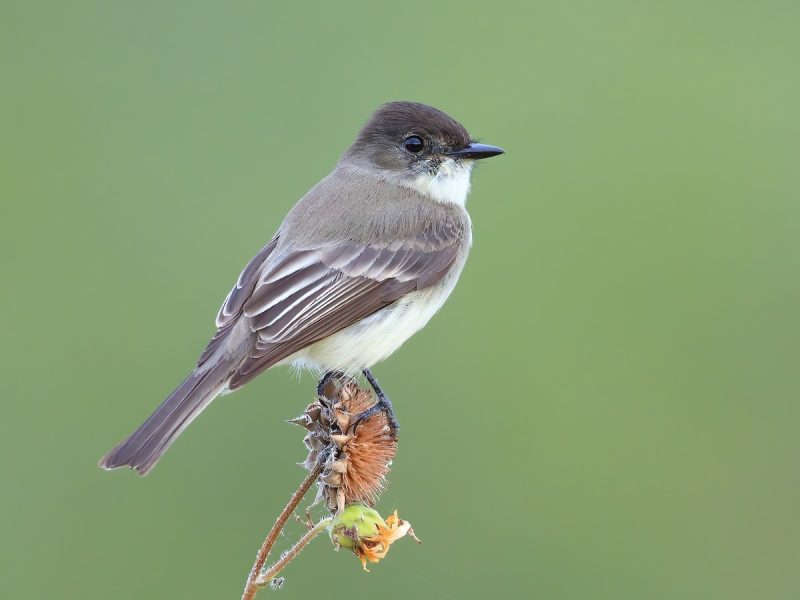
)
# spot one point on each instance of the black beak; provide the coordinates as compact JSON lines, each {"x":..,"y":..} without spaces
{"x":476,"y":151}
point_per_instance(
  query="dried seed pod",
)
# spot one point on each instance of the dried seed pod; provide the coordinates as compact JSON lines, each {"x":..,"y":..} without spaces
{"x":356,"y":456}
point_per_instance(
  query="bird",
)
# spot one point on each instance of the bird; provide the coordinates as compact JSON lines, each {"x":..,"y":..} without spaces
{"x":358,"y":265}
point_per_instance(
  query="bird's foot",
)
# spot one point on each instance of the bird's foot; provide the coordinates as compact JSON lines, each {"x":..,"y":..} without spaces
{"x":382,"y":405}
{"x":326,"y":379}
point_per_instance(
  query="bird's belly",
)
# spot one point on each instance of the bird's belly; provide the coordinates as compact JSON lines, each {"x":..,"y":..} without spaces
{"x":374,"y":338}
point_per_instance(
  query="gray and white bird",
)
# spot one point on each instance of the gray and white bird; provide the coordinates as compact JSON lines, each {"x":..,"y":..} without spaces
{"x":359,"y":265}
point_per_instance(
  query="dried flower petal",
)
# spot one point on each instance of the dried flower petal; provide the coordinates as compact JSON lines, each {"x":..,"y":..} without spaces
{"x":340,"y":440}
{"x":362,"y":530}
{"x":339,"y":466}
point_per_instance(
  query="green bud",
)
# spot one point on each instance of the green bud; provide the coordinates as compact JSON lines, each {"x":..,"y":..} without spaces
{"x":356,"y":521}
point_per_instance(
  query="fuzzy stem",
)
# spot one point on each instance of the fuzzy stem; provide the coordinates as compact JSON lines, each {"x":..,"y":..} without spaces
{"x":251,"y":587}
{"x":292,"y":553}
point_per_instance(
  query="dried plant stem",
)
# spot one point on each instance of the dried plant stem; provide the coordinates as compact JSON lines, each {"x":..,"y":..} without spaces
{"x":251,"y":587}
{"x":290,"y":555}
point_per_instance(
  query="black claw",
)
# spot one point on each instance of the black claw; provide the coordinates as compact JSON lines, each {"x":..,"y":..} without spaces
{"x":325,"y":380}
{"x":382,"y":405}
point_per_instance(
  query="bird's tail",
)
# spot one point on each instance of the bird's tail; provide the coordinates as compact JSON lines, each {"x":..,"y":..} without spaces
{"x":145,"y":446}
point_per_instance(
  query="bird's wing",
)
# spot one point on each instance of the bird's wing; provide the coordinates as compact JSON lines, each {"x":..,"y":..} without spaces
{"x":310,"y":294}
{"x":231,"y":309}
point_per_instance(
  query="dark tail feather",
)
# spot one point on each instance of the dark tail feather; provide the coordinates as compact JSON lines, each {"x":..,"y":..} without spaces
{"x":145,"y":446}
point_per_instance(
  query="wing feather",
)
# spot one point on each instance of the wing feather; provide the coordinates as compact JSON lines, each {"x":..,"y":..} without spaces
{"x":311,"y":293}
{"x":231,"y":308}
{"x":245,"y":285}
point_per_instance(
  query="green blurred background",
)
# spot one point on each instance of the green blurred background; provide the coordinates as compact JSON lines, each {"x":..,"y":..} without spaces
{"x":606,"y":408}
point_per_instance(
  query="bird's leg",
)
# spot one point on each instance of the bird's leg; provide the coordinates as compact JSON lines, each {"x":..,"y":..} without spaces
{"x":325,"y":379}
{"x":383,"y":404}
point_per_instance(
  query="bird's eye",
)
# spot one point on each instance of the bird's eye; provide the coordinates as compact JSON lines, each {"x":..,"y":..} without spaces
{"x":413,"y":143}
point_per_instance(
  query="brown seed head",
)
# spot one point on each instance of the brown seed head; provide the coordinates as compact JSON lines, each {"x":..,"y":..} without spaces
{"x":356,"y":457}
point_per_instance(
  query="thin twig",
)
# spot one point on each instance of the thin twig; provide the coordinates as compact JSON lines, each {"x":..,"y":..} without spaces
{"x":251,"y":587}
{"x":275,"y":569}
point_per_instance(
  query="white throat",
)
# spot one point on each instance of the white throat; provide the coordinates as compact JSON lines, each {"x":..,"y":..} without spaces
{"x":450,"y":184}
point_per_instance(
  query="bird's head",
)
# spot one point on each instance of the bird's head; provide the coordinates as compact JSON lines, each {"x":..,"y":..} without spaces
{"x":420,"y":147}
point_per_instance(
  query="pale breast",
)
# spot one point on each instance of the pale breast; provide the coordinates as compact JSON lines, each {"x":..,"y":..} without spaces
{"x":374,"y":338}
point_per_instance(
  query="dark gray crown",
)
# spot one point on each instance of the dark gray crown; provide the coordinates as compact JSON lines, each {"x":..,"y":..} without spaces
{"x":395,"y":120}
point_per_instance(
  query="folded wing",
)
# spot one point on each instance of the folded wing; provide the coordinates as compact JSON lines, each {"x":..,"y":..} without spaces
{"x":310,"y":294}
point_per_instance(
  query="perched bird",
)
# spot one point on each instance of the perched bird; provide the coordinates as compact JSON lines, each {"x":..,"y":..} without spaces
{"x":359,"y":265}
